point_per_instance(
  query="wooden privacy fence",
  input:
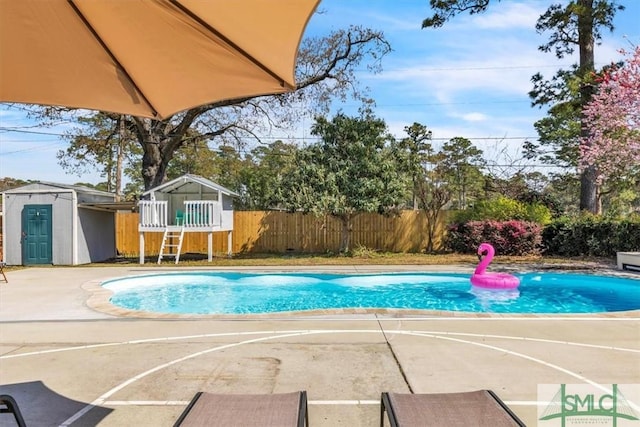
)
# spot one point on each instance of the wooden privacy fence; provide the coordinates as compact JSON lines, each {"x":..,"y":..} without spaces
{"x":267,"y":231}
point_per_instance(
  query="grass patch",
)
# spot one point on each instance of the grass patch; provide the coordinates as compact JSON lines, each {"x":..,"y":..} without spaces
{"x":359,"y":256}
{"x":363,"y":257}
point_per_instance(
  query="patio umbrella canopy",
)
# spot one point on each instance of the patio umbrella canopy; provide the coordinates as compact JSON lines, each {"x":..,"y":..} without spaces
{"x":148,"y":58}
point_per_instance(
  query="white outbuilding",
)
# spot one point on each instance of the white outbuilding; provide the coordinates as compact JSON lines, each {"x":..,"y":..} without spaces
{"x":58,"y":224}
{"x":186,"y":204}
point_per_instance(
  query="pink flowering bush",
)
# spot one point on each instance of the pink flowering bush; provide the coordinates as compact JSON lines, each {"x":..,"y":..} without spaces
{"x":507,"y":237}
{"x":613,"y":120}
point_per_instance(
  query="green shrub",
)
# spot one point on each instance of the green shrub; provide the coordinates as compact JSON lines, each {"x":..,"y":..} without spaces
{"x":590,"y":235}
{"x":362,"y":251}
{"x":537,"y":212}
{"x":504,"y":209}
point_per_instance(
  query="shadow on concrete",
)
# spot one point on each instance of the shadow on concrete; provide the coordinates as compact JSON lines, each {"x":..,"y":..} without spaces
{"x":43,"y":407}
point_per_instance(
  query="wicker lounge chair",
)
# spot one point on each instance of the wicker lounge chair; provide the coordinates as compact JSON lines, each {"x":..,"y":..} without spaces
{"x":476,"y":408}
{"x":8,"y":405}
{"x":246,"y":410}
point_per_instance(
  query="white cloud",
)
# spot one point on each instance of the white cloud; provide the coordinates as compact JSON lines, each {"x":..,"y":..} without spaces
{"x":509,"y":15}
{"x":501,"y":65}
{"x":394,"y":23}
{"x":475,"y":117}
{"x":499,"y":75}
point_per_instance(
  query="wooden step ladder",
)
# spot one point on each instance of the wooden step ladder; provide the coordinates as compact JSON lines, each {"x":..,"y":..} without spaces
{"x":169,"y":244}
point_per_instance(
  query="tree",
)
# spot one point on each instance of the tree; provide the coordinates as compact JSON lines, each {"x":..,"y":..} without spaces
{"x":612,"y":144}
{"x":461,"y":165}
{"x":325,"y":71}
{"x":414,"y":150}
{"x":576,"y":25}
{"x":104,"y":141}
{"x":430,"y":191}
{"x":437,"y":175}
{"x":262,"y":178}
{"x":564,"y":190}
{"x":350,"y":171}
{"x":7,"y":183}
{"x":434,"y":193}
{"x":558,"y":132}
{"x":195,"y":157}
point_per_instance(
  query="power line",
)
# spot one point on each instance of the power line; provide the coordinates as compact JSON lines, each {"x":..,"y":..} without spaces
{"x":483,"y":138}
{"x":24,"y":150}
{"x":477,"y":68}
{"x":411,"y":104}
{"x":4,"y":140}
{"x":21,"y":130}
{"x":488,"y":138}
{"x":439,"y":104}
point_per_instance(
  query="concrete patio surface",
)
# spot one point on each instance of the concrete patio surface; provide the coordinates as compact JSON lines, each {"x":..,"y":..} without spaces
{"x":68,"y":364}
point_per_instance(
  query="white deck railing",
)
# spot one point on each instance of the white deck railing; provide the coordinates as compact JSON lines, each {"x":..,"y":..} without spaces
{"x":202,"y":213}
{"x":153,"y":213}
{"x":196,"y":213}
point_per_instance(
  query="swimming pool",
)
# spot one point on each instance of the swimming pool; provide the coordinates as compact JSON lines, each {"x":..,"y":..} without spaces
{"x":244,"y":293}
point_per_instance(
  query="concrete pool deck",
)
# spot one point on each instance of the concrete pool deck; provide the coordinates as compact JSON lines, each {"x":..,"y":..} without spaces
{"x":69,"y":364}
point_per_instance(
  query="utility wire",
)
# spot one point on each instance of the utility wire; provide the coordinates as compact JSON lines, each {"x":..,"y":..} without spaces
{"x":487,"y":138}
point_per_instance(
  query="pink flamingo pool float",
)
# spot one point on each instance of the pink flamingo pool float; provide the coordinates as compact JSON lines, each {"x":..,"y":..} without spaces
{"x":482,"y":279}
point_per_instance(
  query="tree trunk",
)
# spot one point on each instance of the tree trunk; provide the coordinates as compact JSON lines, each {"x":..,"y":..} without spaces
{"x":109,"y":178}
{"x":463,"y":197}
{"x":416,"y":201}
{"x":432,"y":225}
{"x":345,"y":235}
{"x":588,"y":185}
{"x":159,"y":141}
{"x":154,"y":167}
{"x":589,"y":198}
{"x":120,"y":159}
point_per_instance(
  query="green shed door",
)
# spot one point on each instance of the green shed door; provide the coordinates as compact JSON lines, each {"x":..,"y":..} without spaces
{"x":36,"y":235}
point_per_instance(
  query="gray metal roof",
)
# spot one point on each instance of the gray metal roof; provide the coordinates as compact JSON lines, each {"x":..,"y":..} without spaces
{"x":175,"y":184}
{"x":40,"y":185}
{"x":109,"y":206}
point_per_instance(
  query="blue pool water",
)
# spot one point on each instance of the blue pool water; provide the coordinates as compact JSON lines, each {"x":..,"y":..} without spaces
{"x":240,"y":293}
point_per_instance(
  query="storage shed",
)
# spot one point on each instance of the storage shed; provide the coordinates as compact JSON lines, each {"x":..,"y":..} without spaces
{"x":187,"y":204}
{"x":50,"y":223}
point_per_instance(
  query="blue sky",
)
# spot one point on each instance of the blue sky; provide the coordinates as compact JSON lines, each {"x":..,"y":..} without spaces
{"x":469,"y":78}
